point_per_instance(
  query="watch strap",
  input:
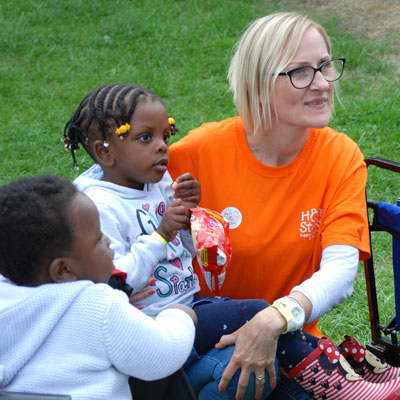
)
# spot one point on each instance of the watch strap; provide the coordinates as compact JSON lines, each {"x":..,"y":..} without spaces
{"x":288,"y":315}
{"x":295,"y":320}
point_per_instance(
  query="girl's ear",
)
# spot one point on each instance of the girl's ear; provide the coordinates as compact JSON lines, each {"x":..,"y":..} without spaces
{"x":60,"y":271}
{"x":103,"y":153}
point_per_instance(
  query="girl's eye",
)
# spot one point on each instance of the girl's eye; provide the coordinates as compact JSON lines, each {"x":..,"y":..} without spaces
{"x":144,"y":138}
{"x":166,"y":137}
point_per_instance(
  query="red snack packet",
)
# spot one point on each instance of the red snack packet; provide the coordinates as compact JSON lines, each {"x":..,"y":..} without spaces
{"x":210,"y":232}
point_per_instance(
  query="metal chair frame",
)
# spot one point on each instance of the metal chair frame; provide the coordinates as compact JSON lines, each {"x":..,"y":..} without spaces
{"x":385,"y":343}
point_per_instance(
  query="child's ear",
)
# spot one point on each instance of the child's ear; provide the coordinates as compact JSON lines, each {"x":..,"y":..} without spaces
{"x":103,"y":154}
{"x":60,"y":271}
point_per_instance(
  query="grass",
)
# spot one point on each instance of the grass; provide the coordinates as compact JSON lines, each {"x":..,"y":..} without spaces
{"x":54,"y":52}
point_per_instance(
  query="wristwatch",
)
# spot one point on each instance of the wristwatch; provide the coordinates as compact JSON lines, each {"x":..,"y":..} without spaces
{"x":292,"y":310}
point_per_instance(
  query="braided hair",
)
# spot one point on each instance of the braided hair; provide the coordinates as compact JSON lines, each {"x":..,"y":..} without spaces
{"x":35,"y":226}
{"x":100,"y":113}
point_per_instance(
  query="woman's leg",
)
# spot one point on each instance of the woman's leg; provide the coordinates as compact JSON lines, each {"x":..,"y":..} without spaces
{"x":221,"y":318}
{"x":224,"y":317}
{"x":288,"y":389}
{"x":205,"y":375}
{"x":293,"y":347}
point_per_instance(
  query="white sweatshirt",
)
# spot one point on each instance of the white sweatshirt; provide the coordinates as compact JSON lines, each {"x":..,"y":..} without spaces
{"x":128,"y":217}
{"x":84,"y":340}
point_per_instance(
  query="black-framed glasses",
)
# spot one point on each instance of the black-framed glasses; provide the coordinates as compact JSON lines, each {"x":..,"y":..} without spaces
{"x":302,"y":77}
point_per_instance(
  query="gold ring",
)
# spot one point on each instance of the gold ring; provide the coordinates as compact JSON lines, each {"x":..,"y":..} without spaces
{"x":260,"y":377}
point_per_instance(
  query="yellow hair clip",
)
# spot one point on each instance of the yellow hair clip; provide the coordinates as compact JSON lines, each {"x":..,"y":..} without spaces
{"x":122,"y":130}
{"x":171,"y":122}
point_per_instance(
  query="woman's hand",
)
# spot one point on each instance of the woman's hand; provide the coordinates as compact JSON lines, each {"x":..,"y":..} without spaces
{"x":255,"y":350}
{"x":188,"y":189}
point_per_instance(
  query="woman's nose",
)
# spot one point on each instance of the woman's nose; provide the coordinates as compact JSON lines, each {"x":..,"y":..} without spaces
{"x":319,"y":82}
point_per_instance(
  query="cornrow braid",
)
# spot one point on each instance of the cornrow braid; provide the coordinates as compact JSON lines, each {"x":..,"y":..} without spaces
{"x":110,"y":101}
{"x":98,"y":110}
{"x":99,"y":113}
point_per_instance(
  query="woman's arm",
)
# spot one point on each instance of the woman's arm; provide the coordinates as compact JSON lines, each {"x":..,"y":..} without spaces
{"x":332,"y":283}
{"x":256,"y":342}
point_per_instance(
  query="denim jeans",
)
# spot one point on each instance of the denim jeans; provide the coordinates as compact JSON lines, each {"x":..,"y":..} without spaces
{"x":205,"y":374}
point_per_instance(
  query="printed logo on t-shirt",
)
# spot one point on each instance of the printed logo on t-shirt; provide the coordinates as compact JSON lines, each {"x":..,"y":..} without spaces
{"x":173,"y":284}
{"x":310,"y":222}
{"x":233,"y":216}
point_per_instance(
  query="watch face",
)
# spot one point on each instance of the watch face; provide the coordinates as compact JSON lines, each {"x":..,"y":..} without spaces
{"x":297,"y":313}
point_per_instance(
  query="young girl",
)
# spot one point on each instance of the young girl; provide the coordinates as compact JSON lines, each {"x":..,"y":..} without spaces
{"x":63,"y":330}
{"x":125,"y":129}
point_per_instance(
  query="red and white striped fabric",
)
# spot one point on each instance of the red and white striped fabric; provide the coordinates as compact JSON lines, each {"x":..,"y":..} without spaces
{"x":325,"y":374}
{"x":367,"y":364}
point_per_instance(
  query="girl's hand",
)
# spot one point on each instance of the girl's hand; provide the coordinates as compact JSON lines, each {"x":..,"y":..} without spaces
{"x":187,"y":189}
{"x":255,"y":351}
{"x":145,"y":292}
{"x":176,"y":217}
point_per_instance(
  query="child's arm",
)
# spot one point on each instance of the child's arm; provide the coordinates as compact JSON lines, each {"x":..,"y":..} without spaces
{"x":148,"y":348}
{"x":137,"y":259}
{"x":187,"y":310}
{"x":188,"y":189}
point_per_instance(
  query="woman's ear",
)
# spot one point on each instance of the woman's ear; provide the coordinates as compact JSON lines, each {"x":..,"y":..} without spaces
{"x":60,"y":270}
{"x":103,"y":154}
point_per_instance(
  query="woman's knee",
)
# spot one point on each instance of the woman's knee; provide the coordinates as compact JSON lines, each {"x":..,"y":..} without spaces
{"x":205,"y":375}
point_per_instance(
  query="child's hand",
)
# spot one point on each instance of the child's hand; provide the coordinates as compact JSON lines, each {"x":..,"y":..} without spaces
{"x":187,"y":189}
{"x":176,"y":217}
{"x":145,"y":292}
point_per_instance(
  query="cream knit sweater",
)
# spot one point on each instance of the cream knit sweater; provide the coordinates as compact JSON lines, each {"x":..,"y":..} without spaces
{"x":85,"y":339}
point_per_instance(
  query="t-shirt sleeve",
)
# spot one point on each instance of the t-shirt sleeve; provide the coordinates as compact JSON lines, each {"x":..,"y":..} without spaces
{"x":345,"y":221}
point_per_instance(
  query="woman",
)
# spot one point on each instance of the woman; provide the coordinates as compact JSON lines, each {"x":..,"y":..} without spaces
{"x":293,"y":192}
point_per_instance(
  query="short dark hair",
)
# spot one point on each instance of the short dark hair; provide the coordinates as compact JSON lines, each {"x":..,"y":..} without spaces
{"x":101,"y":112}
{"x":35,"y":226}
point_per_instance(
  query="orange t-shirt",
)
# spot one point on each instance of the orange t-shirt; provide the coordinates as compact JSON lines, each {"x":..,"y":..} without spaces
{"x":280,"y":217}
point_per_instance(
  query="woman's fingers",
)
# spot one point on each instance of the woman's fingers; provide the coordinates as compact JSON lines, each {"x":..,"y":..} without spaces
{"x":255,"y":351}
{"x":260,"y":382}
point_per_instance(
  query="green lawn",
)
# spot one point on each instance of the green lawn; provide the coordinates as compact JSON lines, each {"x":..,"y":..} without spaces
{"x":55,"y":51}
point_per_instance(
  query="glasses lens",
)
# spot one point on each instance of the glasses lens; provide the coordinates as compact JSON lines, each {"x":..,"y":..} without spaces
{"x":302,"y":77}
{"x":332,"y":70}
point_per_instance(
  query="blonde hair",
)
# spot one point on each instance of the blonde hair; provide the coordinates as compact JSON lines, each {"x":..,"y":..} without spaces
{"x":265,"y":49}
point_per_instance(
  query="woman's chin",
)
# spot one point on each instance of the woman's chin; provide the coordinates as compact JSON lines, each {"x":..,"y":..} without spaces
{"x":322,"y":122}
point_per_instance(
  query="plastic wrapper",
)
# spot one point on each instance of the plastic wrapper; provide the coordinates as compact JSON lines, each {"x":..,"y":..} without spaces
{"x":210,"y":232}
